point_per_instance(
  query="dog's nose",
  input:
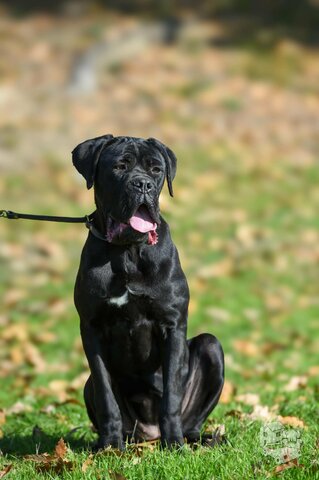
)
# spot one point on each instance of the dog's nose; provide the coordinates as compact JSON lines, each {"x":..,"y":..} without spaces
{"x":142,"y":185}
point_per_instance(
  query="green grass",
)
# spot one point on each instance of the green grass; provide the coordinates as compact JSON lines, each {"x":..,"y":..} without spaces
{"x":255,"y":218}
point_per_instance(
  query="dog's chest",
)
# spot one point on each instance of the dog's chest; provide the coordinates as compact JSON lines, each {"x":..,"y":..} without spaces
{"x":121,"y":282}
{"x":119,"y":301}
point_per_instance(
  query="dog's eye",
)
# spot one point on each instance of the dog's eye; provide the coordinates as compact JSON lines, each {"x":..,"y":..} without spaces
{"x":120,"y":166}
{"x":156,"y":170}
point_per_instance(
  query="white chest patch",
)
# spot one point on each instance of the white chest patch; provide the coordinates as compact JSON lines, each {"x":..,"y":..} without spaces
{"x":119,"y":301}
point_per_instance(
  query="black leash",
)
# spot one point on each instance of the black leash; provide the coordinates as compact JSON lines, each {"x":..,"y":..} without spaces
{"x":87,"y":219}
{"x":49,"y":218}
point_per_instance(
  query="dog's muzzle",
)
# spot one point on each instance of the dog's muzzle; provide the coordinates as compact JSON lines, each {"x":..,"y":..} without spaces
{"x":140,"y":223}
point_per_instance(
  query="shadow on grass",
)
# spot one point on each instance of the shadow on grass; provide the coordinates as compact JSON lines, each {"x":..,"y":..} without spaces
{"x":18,"y":444}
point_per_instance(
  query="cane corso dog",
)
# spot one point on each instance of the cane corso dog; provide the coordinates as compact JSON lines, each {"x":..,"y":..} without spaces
{"x":147,"y":380}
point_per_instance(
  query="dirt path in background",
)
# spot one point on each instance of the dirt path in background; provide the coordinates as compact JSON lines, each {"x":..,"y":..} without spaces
{"x":64,"y":80}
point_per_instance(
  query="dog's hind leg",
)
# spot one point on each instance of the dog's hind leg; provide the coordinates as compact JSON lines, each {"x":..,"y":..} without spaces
{"x":89,"y":400}
{"x":204,"y":384}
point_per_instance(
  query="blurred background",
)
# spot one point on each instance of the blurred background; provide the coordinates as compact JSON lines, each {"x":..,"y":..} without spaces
{"x":233,"y":90}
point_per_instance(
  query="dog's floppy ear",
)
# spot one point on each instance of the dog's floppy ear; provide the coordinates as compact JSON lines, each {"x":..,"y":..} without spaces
{"x":85,"y":156}
{"x":170,"y":161}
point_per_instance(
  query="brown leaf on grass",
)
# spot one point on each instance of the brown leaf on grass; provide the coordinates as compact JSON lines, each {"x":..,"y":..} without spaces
{"x":275,"y":303}
{"x":79,"y":381}
{"x":40,"y":457}
{"x":54,"y":463}
{"x":138,"y":449}
{"x":292,"y":421}
{"x":248,"y":398}
{"x":17,"y":355}
{"x":246,"y":347}
{"x":45,"y":337}
{"x":16,"y":331}
{"x":60,"y":449}
{"x":13,"y":296}
{"x":296,"y":383}
{"x":284,"y":466}
{"x":48,"y":409}
{"x":314,"y":371}
{"x":5,"y":470}
{"x":227,"y":393}
{"x":270,"y":347}
{"x":223,"y":268}
{"x":56,"y":466}
{"x":73,"y":401}
{"x":261,"y":412}
{"x":18,"y":407}
{"x":34,"y":357}
{"x":218,"y":314}
{"x":4,"y":320}
{"x":116,"y":476}
{"x":147,"y":444}
{"x":59,"y":387}
{"x":87,"y":463}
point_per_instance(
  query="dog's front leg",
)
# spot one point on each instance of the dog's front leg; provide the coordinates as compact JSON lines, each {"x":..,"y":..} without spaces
{"x":106,"y":410}
{"x":175,"y":369}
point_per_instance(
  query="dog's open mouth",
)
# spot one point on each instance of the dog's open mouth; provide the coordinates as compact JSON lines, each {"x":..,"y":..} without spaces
{"x":141,"y":222}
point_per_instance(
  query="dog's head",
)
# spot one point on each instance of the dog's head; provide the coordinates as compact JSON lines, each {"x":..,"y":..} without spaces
{"x":128,"y":174}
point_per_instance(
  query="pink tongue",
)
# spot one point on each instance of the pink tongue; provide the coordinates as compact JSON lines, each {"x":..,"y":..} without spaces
{"x":141,"y":221}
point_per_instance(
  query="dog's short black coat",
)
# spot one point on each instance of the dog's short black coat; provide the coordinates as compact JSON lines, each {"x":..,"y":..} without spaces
{"x":147,"y":381}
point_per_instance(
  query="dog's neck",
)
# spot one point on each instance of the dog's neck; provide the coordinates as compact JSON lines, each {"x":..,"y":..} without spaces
{"x":100,"y":222}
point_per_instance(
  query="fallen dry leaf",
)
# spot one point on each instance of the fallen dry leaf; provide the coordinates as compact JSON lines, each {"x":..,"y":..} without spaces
{"x":16,"y":331}
{"x":56,"y":466}
{"x":314,"y":371}
{"x":18,"y":407}
{"x":79,"y":381}
{"x":246,"y":347}
{"x":87,"y":463}
{"x":34,"y":357}
{"x":73,"y":401}
{"x":261,"y":412}
{"x":48,"y":409}
{"x":5,"y":470}
{"x":295,"y":383}
{"x":40,"y":457}
{"x":13,"y":296}
{"x":55,"y":463}
{"x":60,"y":449}
{"x":227,"y":393}
{"x":284,"y":466}
{"x":248,"y":398}
{"x":148,"y":444}
{"x":45,"y":337}
{"x":270,"y":347}
{"x":223,"y":268}
{"x":292,"y":421}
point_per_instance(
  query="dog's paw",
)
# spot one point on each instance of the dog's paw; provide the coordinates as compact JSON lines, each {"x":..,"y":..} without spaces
{"x":172,"y":443}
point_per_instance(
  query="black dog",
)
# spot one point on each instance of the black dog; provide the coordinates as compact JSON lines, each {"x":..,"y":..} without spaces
{"x":147,"y":381}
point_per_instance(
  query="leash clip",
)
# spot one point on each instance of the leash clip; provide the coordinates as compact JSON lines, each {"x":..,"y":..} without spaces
{"x":88,"y":221}
{"x":9,"y":214}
